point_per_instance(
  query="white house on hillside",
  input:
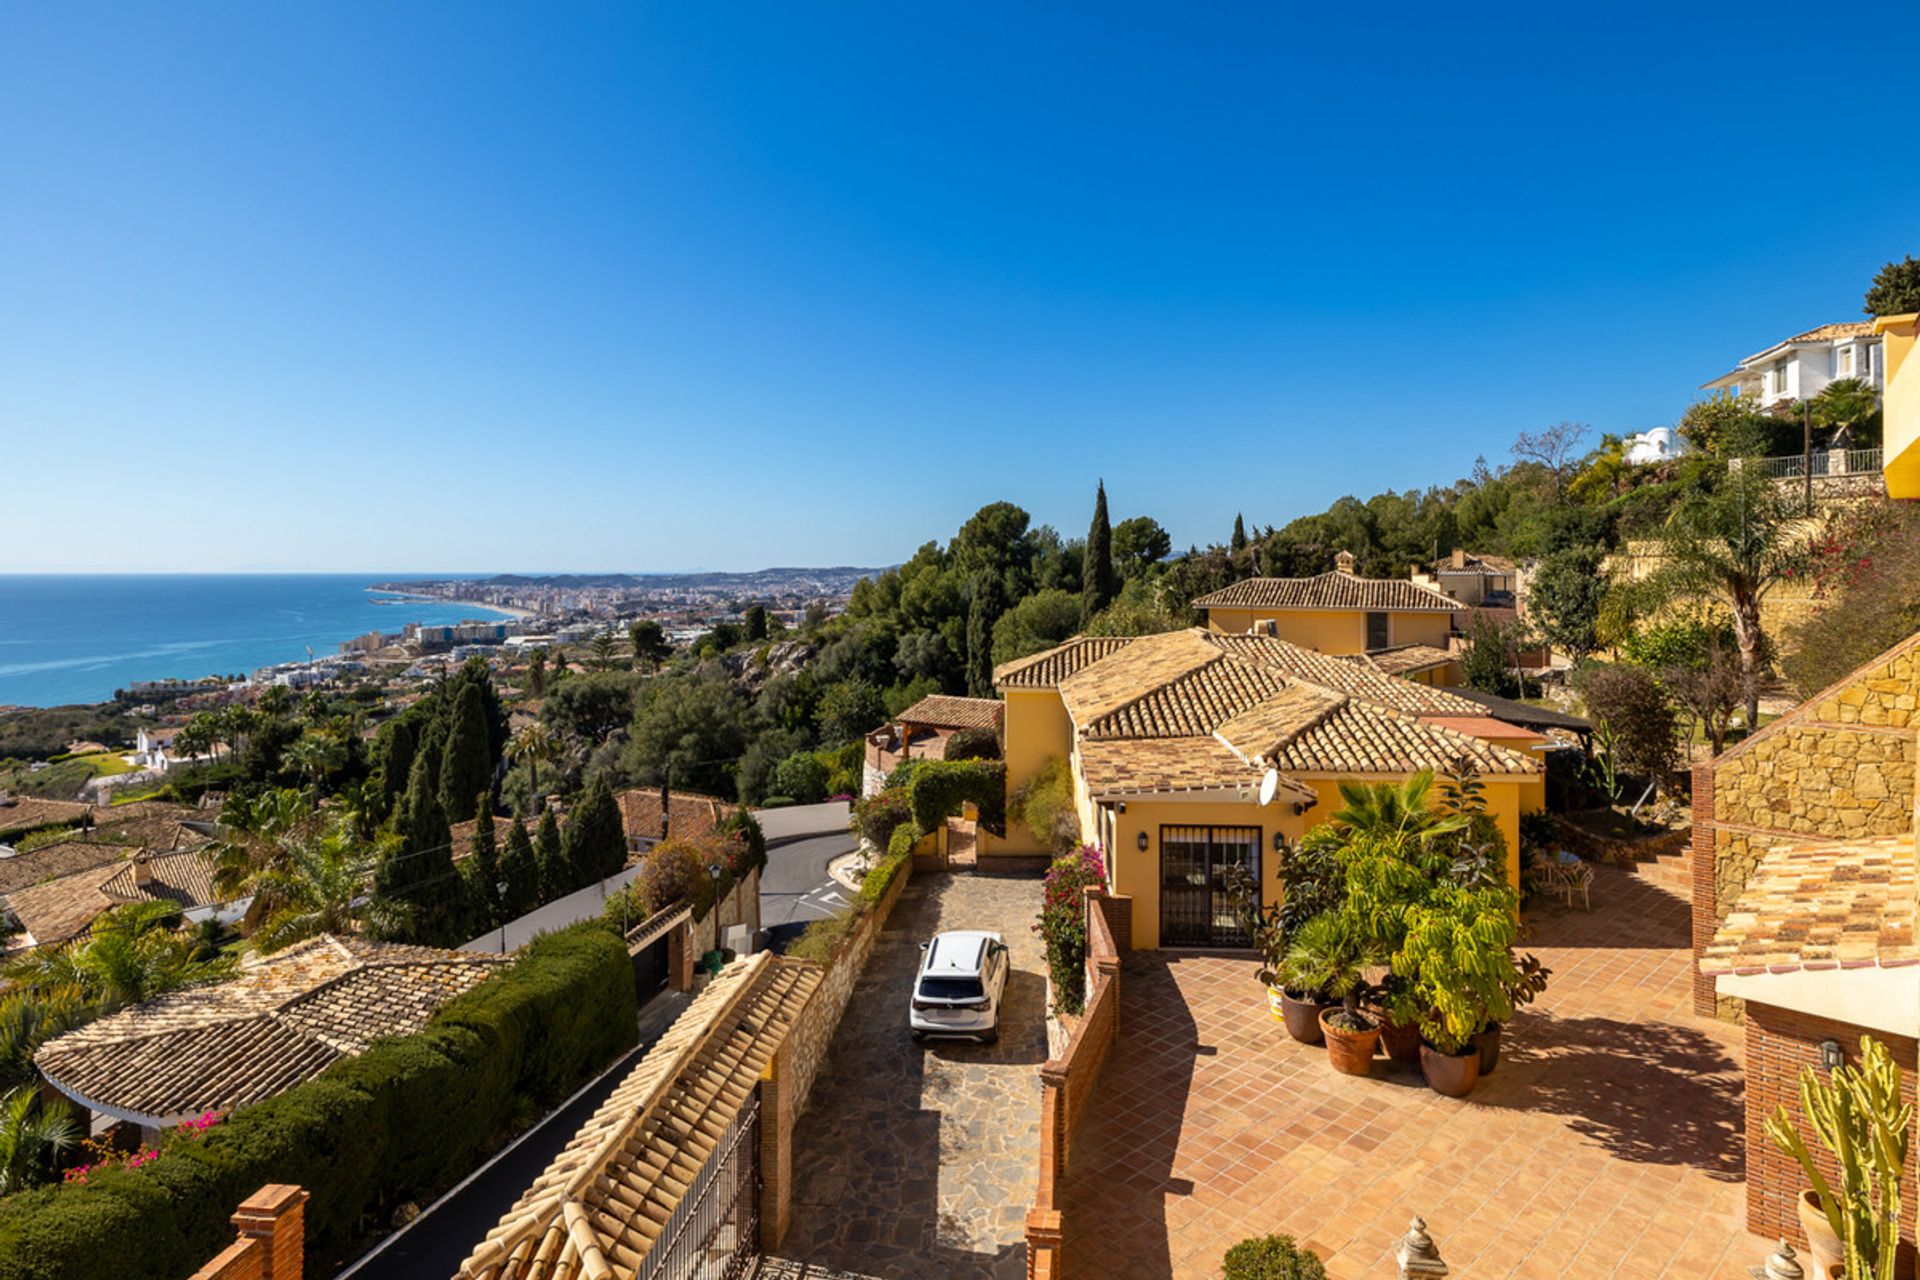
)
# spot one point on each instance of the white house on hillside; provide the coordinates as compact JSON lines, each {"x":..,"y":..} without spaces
{"x":1799,"y":367}
{"x":1658,"y":445}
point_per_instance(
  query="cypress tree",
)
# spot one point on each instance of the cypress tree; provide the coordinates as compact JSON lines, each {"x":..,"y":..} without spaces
{"x":1096,"y":575}
{"x":521,"y":870}
{"x":595,"y":844}
{"x":396,"y":744}
{"x":418,"y":872}
{"x":982,"y":613}
{"x":555,"y":881}
{"x":466,"y":767}
{"x":483,"y":867}
{"x":1239,"y":533}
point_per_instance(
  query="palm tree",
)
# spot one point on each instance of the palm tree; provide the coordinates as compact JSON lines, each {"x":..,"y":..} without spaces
{"x":132,"y":955}
{"x":315,"y":755}
{"x":533,"y":746}
{"x":32,"y":1139}
{"x":251,"y":830}
{"x":1396,"y":813}
{"x":322,"y":888}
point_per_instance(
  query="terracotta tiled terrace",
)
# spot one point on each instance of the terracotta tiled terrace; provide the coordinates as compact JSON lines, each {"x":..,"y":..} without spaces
{"x":1607,"y":1143}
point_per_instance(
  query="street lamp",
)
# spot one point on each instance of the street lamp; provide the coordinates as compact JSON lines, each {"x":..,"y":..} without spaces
{"x":502,"y":887}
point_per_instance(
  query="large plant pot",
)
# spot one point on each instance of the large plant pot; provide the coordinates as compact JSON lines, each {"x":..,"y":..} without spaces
{"x":1302,"y":1018}
{"x":1822,"y":1244}
{"x":1488,"y":1043}
{"x":1401,"y":1040}
{"x":1350,"y":1052}
{"x":1453,"y":1074}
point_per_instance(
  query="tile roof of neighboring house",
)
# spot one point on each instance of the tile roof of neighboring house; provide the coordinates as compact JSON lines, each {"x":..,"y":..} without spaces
{"x":1048,"y":668}
{"x":1352,"y":674}
{"x":460,"y":835}
{"x":61,"y":909}
{"x":1146,"y":766}
{"x":1405,"y":659}
{"x":610,"y":1194}
{"x":1819,"y":333}
{"x":1824,"y":906}
{"x":147,"y":823}
{"x":23,"y":813}
{"x":689,"y":813}
{"x":943,"y":711}
{"x":1331,"y":590}
{"x":1148,"y":662}
{"x":50,"y":862}
{"x":185,"y":878}
{"x":1361,"y":737}
{"x":283,"y":1020}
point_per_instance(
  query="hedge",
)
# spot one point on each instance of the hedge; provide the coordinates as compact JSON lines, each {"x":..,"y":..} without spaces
{"x":939,"y":787}
{"x":399,"y":1122}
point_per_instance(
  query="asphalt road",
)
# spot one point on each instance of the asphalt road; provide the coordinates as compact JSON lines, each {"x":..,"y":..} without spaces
{"x":795,"y":887}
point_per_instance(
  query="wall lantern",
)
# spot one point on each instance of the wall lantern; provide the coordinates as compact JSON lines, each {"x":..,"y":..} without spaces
{"x":1832,"y":1055}
{"x":1279,"y":842}
{"x":1300,"y":808}
{"x":1123,"y":806}
{"x":1141,"y":841}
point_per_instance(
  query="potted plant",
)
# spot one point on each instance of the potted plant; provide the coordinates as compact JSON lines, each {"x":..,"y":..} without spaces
{"x":1399,"y":1010}
{"x":1529,"y":982}
{"x":1271,"y":1258}
{"x":1459,"y":946}
{"x":1331,"y":953}
{"x":1858,"y":1115}
{"x":1299,"y":1009}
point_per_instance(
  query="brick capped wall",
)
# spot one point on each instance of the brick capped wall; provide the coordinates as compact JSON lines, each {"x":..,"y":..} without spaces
{"x":1780,"y":1044}
{"x":1842,"y":765}
{"x":271,"y":1238}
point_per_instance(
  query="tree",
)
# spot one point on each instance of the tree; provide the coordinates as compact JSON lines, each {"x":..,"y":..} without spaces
{"x":321,"y":886}
{"x":1139,"y":543}
{"x":594,"y":845}
{"x":1851,"y":409}
{"x":1895,"y":290}
{"x":34,"y":1135}
{"x":802,"y":776}
{"x":688,"y":731}
{"x":1492,"y":652}
{"x":756,"y":621}
{"x":132,"y":955}
{"x":591,"y":709}
{"x":556,"y":879}
{"x":1707,"y":688}
{"x":520,"y":870}
{"x":415,"y":876}
{"x":602,"y":646}
{"x":537,"y":673}
{"x":1554,"y":449}
{"x":533,"y":746}
{"x":466,"y":766}
{"x":1039,"y":622}
{"x":1630,"y":707}
{"x":1564,"y":599}
{"x":481,"y":869}
{"x":1239,"y":542}
{"x":394,"y":745}
{"x":1728,"y":426}
{"x":1735,"y":541}
{"x":1096,"y":575}
{"x":1866,"y":579}
{"x":650,"y":644}
{"x":982,"y":613}
{"x":848,"y":710}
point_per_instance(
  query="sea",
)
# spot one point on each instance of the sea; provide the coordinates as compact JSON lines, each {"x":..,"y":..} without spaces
{"x":77,"y":638}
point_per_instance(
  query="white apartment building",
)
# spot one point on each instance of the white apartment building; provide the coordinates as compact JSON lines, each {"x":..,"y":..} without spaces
{"x":1797,"y":368}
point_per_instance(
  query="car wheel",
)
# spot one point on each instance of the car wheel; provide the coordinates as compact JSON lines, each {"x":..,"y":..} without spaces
{"x":919,"y":1037}
{"x":991,"y":1037}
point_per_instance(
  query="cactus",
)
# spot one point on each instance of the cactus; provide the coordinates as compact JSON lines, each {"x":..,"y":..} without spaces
{"x":1858,"y":1116}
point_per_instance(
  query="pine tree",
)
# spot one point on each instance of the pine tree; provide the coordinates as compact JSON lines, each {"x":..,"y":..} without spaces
{"x":1239,"y":533}
{"x":1096,"y":574}
{"x":520,"y":869}
{"x":466,"y":767}
{"x":417,"y":873}
{"x":483,"y":867}
{"x":595,"y":844}
{"x":982,"y":613}
{"x":555,"y":878}
{"x":756,"y":621}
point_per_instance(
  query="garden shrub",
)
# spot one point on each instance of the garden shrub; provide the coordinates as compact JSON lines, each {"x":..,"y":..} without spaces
{"x":1046,"y":805}
{"x":399,"y":1122}
{"x":900,"y":843}
{"x":973,"y":744}
{"x":821,"y":938}
{"x":1271,"y":1258}
{"x":1629,"y":705}
{"x":1063,"y":924}
{"x":940,"y":787}
{"x":881,"y":876}
{"x":876,"y":816}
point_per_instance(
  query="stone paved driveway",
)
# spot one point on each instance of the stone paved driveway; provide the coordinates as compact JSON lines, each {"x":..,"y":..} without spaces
{"x":920,"y":1161}
{"x":1608,"y":1143}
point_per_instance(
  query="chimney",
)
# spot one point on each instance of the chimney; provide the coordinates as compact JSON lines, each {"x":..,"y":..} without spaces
{"x":1459,"y":558}
{"x":1344,"y":562}
{"x":143,"y":868}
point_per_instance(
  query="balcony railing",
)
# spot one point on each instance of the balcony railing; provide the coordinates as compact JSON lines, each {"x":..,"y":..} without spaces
{"x":1825,"y":462}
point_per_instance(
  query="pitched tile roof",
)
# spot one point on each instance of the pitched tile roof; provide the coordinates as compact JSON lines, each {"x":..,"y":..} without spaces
{"x":460,"y":835}
{"x":689,"y":813}
{"x":1192,"y":704}
{"x":1147,"y":766}
{"x":606,"y":1199}
{"x":943,"y":711}
{"x":1405,"y":659}
{"x":50,"y":862}
{"x":1819,"y":333}
{"x":23,"y":813}
{"x":185,"y":877}
{"x":1260,"y":731}
{"x":283,"y":1020}
{"x":1148,"y":662}
{"x":1822,"y":906}
{"x":1331,"y":590}
{"x":1048,"y":668}
{"x":1360,"y":737}
{"x":1352,"y":675}
{"x":65,"y":907}
{"x":61,"y":909}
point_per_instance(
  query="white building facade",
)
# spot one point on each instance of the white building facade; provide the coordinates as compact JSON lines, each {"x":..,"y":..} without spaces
{"x":1799,"y":367}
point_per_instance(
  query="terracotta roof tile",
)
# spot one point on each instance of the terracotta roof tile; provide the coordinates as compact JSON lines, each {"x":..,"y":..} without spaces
{"x":1822,"y":905}
{"x":690,"y":814}
{"x":1193,"y":704}
{"x":185,"y":878}
{"x":1259,"y":732}
{"x":1361,"y":737}
{"x":943,"y":711}
{"x":608,"y":1196}
{"x":1147,"y":663}
{"x":1354,"y":675}
{"x":65,"y":908}
{"x":1408,"y":658}
{"x":50,"y":862}
{"x":1047,"y":669}
{"x":280,"y":1022}
{"x":23,"y":813}
{"x":1333,"y":590}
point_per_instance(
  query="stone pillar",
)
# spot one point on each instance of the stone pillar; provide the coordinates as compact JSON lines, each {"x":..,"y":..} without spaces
{"x":680,"y":957}
{"x":1417,"y":1255}
{"x":777,"y":1113}
{"x":1043,"y":1244}
{"x":1705,"y":906}
{"x":275,"y":1215}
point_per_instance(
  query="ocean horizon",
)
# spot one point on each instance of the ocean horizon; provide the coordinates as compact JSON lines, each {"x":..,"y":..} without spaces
{"x":75,"y":638}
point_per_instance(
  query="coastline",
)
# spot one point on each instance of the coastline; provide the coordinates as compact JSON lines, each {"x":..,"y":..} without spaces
{"x":511,"y":611}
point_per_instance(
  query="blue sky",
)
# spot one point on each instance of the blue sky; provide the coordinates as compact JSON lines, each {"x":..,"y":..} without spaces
{"x":707,"y":285}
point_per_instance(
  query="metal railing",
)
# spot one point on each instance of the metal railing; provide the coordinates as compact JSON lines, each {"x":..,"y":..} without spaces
{"x":714,"y":1232}
{"x":1825,"y":462}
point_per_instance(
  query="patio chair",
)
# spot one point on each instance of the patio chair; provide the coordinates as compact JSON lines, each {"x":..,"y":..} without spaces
{"x":1577,"y":878}
{"x":1546,"y":878}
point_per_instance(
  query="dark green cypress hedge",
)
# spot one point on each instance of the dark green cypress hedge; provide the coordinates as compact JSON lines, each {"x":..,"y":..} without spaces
{"x":400,"y":1122}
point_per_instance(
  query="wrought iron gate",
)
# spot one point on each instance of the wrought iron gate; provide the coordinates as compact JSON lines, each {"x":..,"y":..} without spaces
{"x":714,"y":1234}
{"x":1195,"y":907}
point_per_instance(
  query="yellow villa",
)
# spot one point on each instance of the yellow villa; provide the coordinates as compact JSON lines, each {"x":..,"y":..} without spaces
{"x":1335,"y":612}
{"x":1193,"y":751}
{"x":1901,"y":404}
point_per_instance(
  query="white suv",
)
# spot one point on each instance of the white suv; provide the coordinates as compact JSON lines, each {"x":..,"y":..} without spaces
{"x":957,"y":991}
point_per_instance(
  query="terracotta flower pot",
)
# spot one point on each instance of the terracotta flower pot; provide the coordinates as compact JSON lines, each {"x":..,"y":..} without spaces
{"x":1822,"y":1244}
{"x":1488,"y":1043}
{"x":1302,"y":1018}
{"x":1401,"y":1040}
{"x":1453,"y":1074}
{"x":1350,"y":1052}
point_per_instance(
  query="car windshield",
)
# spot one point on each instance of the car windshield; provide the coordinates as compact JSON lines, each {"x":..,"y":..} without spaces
{"x":932,"y":988}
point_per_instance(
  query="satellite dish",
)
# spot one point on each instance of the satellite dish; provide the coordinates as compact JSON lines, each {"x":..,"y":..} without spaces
{"x":1269,"y":786}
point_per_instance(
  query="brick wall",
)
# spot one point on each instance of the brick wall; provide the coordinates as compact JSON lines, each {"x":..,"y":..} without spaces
{"x":1842,"y":765}
{"x":1780,"y":1044}
{"x":272,"y":1238}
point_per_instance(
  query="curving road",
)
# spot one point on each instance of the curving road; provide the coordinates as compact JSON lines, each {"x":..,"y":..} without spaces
{"x":795,"y":887}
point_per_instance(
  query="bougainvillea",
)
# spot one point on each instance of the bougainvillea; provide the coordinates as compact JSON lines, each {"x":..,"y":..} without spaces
{"x":1063,"y":923}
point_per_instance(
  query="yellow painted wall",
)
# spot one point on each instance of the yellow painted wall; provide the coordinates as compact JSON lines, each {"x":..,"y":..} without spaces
{"x":1037,"y":730}
{"x":1336,"y":631}
{"x":1900,"y":404}
{"x":1507,"y":799}
{"x":1137,"y":874}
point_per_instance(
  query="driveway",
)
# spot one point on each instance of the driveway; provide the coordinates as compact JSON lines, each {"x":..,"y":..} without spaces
{"x":917,"y":1161}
